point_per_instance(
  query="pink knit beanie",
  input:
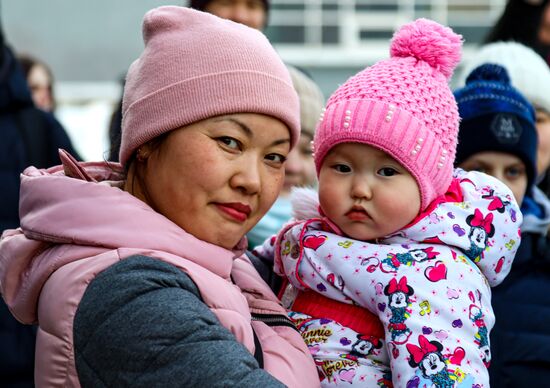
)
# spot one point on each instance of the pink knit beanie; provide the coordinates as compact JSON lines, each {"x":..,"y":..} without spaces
{"x":196,"y":66}
{"x":402,"y":106}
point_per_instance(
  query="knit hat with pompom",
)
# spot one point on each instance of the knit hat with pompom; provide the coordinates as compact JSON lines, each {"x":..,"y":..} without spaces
{"x":402,"y":106}
{"x":496,"y":117}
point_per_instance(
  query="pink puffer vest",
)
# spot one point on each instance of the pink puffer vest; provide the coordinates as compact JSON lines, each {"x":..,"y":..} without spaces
{"x":72,"y":229}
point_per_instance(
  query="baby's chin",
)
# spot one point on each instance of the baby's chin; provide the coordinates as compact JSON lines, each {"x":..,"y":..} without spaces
{"x":361,"y":235}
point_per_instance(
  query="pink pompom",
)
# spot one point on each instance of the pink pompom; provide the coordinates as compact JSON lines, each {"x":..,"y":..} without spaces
{"x":430,"y":42}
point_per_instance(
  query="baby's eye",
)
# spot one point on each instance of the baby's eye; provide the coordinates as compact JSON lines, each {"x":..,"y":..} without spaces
{"x":387,"y":171}
{"x":341,"y":168}
{"x":229,"y":142}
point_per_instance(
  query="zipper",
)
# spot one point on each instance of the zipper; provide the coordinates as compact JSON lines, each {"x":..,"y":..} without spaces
{"x":274,"y":320}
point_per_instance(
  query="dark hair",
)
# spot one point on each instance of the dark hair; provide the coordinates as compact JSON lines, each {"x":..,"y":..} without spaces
{"x":202,"y":4}
{"x":1,"y":45}
{"x":137,"y":177}
{"x":115,"y":132}
{"x":519,"y":22}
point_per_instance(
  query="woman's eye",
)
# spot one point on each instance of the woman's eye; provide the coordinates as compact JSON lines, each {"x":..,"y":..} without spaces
{"x":542,"y":117}
{"x":229,"y":142}
{"x":514,"y":172}
{"x":477,"y":168}
{"x":306,"y":151}
{"x":387,"y":171}
{"x":277,"y":158}
{"x":341,"y":168}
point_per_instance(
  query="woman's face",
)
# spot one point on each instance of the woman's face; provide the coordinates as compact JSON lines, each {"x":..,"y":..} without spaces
{"x":507,"y":168}
{"x":216,"y":178}
{"x":40,"y":85}
{"x":300,"y":167}
{"x":543,"y":148}
{"x":544,"y":28}
{"x":251,"y":13}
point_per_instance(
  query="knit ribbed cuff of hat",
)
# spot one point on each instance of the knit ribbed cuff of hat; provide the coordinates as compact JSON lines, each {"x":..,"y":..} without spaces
{"x":392,"y":130}
{"x":227,"y":92}
{"x":480,"y":135}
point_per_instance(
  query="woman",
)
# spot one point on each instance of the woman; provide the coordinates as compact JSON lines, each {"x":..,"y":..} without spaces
{"x":138,"y":279}
{"x":520,"y":340}
{"x":526,"y":22}
{"x":40,"y":80}
{"x":531,"y":76}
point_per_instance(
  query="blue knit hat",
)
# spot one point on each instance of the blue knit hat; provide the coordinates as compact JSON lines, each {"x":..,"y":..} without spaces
{"x":495,"y":117}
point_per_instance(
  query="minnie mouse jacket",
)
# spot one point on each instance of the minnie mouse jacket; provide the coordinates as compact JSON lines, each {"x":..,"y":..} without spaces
{"x":429,"y":283}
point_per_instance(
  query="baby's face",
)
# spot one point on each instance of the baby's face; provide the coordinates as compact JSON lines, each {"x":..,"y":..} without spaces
{"x":366,"y":192}
{"x":505,"y":167}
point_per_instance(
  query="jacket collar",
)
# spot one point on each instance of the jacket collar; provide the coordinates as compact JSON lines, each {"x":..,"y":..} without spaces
{"x":82,"y":204}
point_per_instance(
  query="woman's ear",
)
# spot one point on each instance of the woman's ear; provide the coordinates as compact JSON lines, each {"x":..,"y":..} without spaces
{"x":146,"y":150}
{"x":143,"y":152}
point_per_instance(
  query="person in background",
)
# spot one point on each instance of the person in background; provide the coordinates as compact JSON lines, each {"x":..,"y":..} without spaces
{"x":29,"y":136}
{"x":530,"y":75}
{"x":251,"y":13}
{"x":526,"y":22}
{"x":40,"y":80}
{"x":497,"y":133}
{"x":498,"y":136}
{"x":135,"y":272}
{"x":115,"y":122}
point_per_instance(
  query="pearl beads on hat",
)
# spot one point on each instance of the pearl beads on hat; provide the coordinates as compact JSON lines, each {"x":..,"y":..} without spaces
{"x":418,"y":146}
{"x":347,"y":118}
{"x":391,"y":110}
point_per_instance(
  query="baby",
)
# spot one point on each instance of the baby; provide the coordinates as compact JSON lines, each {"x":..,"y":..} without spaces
{"x":389,"y":268}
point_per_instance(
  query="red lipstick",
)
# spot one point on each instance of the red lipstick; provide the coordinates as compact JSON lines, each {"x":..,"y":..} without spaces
{"x":236,"y":210}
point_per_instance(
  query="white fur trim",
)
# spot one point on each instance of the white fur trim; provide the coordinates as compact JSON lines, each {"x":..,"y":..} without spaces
{"x":305,"y":203}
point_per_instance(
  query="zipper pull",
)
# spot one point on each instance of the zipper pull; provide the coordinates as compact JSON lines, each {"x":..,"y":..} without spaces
{"x":289,"y":296}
